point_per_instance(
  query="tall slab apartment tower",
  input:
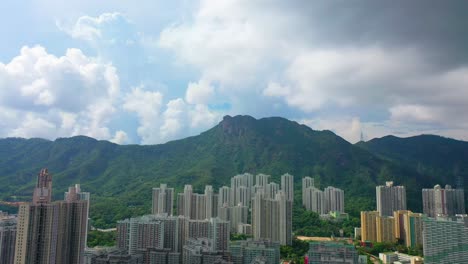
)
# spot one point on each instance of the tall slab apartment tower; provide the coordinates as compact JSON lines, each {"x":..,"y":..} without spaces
{"x":390,"y":198}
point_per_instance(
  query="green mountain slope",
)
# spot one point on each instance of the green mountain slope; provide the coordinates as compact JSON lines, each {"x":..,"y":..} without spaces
{"x":442,"y":160}
{"x":120,"y":178}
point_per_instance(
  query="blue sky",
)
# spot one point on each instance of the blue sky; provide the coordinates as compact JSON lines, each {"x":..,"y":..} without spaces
{"x":152,"y":71}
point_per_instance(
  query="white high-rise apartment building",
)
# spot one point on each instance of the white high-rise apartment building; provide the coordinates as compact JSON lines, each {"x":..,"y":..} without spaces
{"x":188,"y":191}
{"x":285,"y":218}
{"x":238,"y":215}
{"x":306,"y":183}
{"x":198,"y":206}
{"x":272,"y":218}
{"x":163,"y":200}
{"x":244,"y":182}
{"x":390,"y":198}
{"x":334,"y":199}
{"x":224,"y":196}
{"x":262,"y":180}
{"x":219,"y":233}
{"x":209,"y":197}
{"x":271,"y":189}
{"x":315,"y":200}
{"x":287,"y":186}
{"x":323,"y":202}
{"x":243,"y":195}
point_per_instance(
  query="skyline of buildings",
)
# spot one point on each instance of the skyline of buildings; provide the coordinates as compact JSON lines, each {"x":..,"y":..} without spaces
{"x":201,"y":234}
{"x":442,"y":238}
{"x":270,"y":205}
{"x":206,"y":220}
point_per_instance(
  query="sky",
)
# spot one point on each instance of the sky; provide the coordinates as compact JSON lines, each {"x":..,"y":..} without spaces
{"x":151,"y":71}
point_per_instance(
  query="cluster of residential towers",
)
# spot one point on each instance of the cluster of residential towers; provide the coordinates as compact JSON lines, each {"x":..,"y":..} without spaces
{"x":190,"y":227}
{"x":441,"y":229}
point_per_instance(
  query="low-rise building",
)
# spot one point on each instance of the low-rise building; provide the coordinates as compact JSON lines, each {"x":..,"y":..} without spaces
{"x":250,"y":251}
{"x":200,"y":251}
{"x":331,"y":252}
{"x":397,"y":258}
{"x":111,"y":256}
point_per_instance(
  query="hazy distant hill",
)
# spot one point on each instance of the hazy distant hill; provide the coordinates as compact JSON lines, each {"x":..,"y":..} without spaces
{"x":120,"y":178}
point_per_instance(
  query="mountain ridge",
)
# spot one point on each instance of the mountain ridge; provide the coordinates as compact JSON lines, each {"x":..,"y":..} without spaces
{"x":120,"y":177}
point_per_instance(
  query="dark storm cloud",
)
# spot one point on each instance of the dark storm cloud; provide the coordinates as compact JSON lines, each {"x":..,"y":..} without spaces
{"x":436,"y":28}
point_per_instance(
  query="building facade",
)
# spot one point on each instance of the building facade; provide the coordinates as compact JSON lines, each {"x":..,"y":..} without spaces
{"x":200,"y":251}
{"x":76,"y":193}
{"x":369,"y":225}
{"x":306,"y":183}
{"x":329,"y":252}
{"x":445,"y":240}
{"x":261,"y":180}
{"x":198,"y":206}
{"x":390,"y":198}
{"x":163,"y":200}
{"x":224,"y":196}
{"x":408,"y":227}
{"x":334,"y":199}
{"x":151,"y":231}
{"x":238,"y":215}
{"x":247,"y":251}
{"x":323,"y":202}
{"x":272,"y":218}
{"x":7,"y":238}
{"x":169,"y":233}
{"x":444,"y":201}
{"x":51,"y":232}
{"x":315,"y":200}
{"x":287,"y":186}
{"x":376,"y":228}
{"x":385,"y":229}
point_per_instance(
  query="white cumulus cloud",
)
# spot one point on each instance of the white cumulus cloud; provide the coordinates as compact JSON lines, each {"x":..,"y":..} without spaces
{"x":200,"y":92}
{"x":48,"y":96}
{"x":160,"y":122}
